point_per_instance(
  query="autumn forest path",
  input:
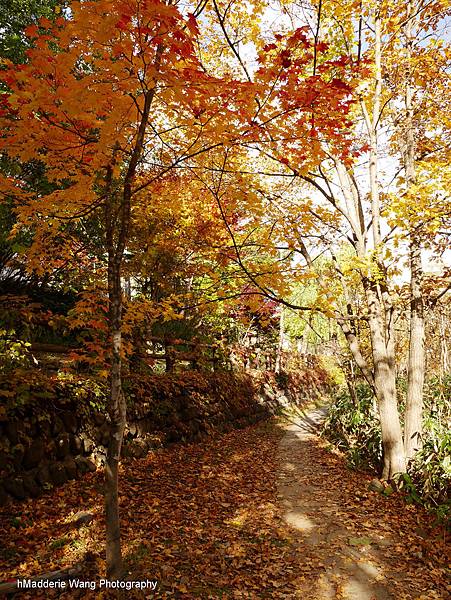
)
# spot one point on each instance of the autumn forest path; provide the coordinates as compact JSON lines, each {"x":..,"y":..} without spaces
{"x":268,"y":511}
{"x":354,"y":539}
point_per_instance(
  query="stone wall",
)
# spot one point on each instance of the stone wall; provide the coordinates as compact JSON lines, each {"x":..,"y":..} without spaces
{"x":48,"y":447}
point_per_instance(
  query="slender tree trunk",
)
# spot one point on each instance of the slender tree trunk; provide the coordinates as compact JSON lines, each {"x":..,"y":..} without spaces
{"x":117,"y":226}
{"x":116,"y":234}
{"x":350,"y":382}
{"x":117,"y":413}
{"x":354,"y":347}
{"x":377,"y":295}
{"x":444,"y":361}
{"x":279,"y":353}
{"x":416,"y":361}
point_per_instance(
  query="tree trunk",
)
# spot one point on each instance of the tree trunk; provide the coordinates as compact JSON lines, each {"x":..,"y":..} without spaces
{"x":416,"y":361}
{"x":384,"y":383}
{"x":354,"y":347}
{"x":350,"y":382}
{"x":377,"y":294}
{"x":117,"y":232}
{"x":444,"y":361}
{"x":279,"y":353}
{"x":117,"y":413}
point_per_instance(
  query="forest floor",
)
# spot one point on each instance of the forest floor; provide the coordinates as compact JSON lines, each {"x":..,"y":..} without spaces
{"x":269,"y":511}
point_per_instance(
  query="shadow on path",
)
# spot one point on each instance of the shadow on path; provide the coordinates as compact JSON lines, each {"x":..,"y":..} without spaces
{"x":307,"y":421}
{"x":351,"y":542}
{"x":265,"y":512}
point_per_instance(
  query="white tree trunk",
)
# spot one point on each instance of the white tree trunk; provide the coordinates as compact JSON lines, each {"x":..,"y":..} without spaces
{"x":416,"y":360}
{"x":385,"y":387}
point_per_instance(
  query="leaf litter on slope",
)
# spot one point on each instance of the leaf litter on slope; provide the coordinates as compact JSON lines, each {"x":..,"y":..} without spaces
{"x":206,"y":520}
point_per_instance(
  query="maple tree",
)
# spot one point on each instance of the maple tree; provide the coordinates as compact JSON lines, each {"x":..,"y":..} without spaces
{"x":15,"y":15}
{"x":110,"y":99}
{"x":90,"y":103}
{"x":166,"y":161}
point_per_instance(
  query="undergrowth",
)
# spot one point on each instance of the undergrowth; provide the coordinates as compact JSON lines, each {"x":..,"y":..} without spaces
{"x":353,"y":427}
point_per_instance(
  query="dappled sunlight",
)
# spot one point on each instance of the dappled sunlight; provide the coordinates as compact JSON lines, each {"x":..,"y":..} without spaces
{"x":359,"y":545}
{"x":289,"y":466}
{"x":41,"y":535}
{"x":239,"y":519}
{"x":250,"y":514}
{"x":298,"y":520}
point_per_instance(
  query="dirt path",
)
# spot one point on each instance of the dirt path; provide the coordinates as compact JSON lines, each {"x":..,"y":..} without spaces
{"x":265,"y":512}
{"x":356,"y":540}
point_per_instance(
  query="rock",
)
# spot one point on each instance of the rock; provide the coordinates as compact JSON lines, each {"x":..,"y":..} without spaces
{"x":75,"y":443}
{"x":99,"y":418}
{"x":33,"y":454}
{"x":58,"y":426}
{"x":15,"y":487}
{"x":83,"y":517}
{"x":33,"y":428}
{"x":31,"y":487}
{"x":45,"y":428}
{"x":376,"y":486}
{"x":3,"y":496}
{"x":99,"y":457}
{"x":88,"y":444}
{"x":138,"y":448}
{"x":105,"y":437}
{"x":173,"y":435}
{"x":5,"y":461}
{"x":84,"y":464}
{"x":58,"y":473}
{"x":11,"y":432}
{"x":132,"y":429}
{"x":70,"y":422}
{"x":154,"y":440}
{"x":18,"y":452}
{"x":71,"y":467}
{"x":62,"y":445}
{"x":43,"y":475}
{"x":50,"y":450}
{"x":102,"y":435}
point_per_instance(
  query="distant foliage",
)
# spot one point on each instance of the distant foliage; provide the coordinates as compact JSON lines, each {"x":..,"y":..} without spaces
{"x":13,"y":351}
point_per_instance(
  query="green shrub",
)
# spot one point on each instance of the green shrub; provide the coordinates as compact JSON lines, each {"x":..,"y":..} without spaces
{"x":430,"y":471}
{"x":355,"y":429}
{"x":14,"y":352}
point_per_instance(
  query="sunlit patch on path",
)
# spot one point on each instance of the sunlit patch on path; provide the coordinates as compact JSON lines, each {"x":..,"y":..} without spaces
{"x":262,"y":512}
{"x":361,"y":546}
